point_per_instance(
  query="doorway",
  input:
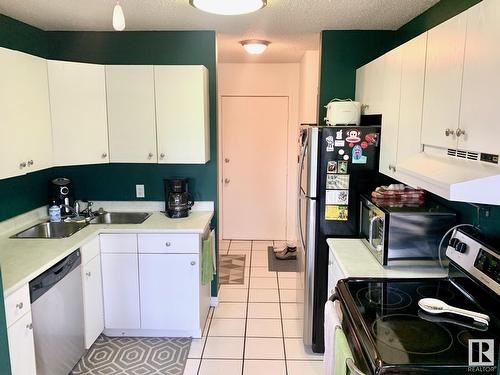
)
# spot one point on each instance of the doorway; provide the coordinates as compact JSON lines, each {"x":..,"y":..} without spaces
{"x":254,"y":133}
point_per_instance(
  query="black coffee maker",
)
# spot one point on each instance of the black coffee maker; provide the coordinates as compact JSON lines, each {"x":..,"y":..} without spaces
{"x":61,"y":192}
{"x":178,"y":201}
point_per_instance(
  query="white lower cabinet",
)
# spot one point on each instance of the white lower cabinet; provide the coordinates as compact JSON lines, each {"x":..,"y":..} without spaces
{"x":169,"y":291}
{"x":120,"y":280}
{"x":22,"y":346}
{"x":93,"y":300}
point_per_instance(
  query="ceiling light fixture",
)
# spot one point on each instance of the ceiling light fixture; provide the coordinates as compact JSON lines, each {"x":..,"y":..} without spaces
{"x":255,"y":46}
{"x":118,"y":18}
{"x":228,"y":7}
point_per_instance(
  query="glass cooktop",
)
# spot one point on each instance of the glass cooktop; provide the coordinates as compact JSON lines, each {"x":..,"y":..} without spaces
{"x":400,"y":333}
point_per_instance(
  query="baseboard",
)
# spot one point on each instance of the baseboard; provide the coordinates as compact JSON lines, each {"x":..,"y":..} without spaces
{"x":196,"y":333}
{"x":214,"y":301}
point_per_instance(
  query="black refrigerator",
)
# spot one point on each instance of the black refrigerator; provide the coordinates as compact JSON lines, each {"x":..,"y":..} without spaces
{"x":336,"y":164}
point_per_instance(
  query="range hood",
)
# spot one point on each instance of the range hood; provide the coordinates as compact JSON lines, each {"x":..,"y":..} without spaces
{"x":453,"y":178}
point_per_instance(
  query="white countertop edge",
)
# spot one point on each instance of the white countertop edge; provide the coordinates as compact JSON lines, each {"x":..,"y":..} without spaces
{"x":155,"y":206}
{"x":98,"y":229}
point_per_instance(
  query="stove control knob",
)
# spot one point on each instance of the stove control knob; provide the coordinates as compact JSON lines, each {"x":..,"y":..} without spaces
{"x":453,"y":242}
{"x":461,"y":247}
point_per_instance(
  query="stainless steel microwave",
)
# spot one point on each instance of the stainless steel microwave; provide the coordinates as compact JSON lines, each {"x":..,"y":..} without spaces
{"x":400,"y":232}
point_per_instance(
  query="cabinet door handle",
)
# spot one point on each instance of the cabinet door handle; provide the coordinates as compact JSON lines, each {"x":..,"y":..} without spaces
{"x":226,"y":160}
{"x":29,"y":326}
{"x":449,"y":132}
{"x":104,"y":155}
{"x":150,"y":155}
{"x":162,"y":155}
{"x":460,"y":132}
{"x":193,"y":263}
{"x":88,"y":273}
{"x":227,"y":181}
{"x":20,"y":305}
{"x":30,"y":163}
{"x":22,"y":165}
{"x":392,"y":167}
{"x":167,"y":244}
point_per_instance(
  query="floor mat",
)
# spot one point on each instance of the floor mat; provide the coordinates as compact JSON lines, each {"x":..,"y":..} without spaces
{"x":277,"y":265}
{"x":232,"y":269}
{"x":135,"y":355}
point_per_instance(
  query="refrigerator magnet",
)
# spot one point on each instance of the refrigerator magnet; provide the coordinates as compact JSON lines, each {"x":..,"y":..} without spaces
{"x":332,"y":167}
{"x":339,"y":143}
{"x":337,"y":197}
{"x":342,"y":167}
{"x":337,"y":213}
{"x":329,"y":144}
{"x":353,"y":136}
{"x":357,"y":155}
{"x":337,"y":182}
{"x":338,"y":134}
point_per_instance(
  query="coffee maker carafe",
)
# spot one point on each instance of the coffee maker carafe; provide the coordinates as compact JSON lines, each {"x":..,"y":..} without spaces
{"x":61,"y":193}
{"x":177,"y":199}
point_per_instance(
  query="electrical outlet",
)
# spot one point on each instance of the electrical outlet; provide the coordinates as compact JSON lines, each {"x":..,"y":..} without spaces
{"x":139,"y":191}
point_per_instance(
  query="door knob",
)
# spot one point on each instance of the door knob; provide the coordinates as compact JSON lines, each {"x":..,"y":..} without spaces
{"x":226,"y":160}
{"x":193,"y":263}
{"x":167,"y":244}
{"x":227,"y":180}
{"x":162,"y":155}
{"x":20,"y":305}
{"x":449,"y":132}
{"x":30,"y":163}
{"x":150,"y":155}
{"x":104,"y":155}
{"x":29,"y":326}
{"x":22,"y":165}
{"x":88,"y":274}
{"x":460,"y":132}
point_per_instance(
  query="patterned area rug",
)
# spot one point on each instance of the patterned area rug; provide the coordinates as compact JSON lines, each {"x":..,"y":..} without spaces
{"x":232,"y":269}
{"x":134,"y":356}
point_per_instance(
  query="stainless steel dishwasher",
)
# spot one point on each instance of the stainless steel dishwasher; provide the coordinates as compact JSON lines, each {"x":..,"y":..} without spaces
{"x":57,"y":309}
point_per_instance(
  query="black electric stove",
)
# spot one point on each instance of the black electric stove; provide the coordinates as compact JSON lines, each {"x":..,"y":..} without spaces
{"x":388,"y":333}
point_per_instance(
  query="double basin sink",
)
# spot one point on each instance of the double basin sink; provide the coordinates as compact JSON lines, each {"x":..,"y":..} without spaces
{"x":65,"y":229}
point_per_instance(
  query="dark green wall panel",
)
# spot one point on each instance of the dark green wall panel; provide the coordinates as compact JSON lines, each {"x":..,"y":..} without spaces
{"x":22,"y":37}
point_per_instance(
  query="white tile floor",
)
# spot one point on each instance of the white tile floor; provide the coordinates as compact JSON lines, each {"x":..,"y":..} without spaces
{"x":257,"y":327}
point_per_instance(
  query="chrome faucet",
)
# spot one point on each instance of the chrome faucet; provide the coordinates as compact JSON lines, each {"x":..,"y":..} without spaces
{"x":74,"y":211}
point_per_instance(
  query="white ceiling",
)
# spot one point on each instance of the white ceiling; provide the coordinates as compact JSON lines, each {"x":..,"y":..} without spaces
{"x":292,"y":26}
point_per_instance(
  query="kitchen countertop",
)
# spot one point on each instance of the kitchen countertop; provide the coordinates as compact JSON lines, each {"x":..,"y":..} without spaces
{"x":23,"y":259}
{"x":355,"y":260}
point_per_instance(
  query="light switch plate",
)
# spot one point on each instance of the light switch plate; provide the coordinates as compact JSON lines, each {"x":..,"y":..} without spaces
{"x":139,"y":191}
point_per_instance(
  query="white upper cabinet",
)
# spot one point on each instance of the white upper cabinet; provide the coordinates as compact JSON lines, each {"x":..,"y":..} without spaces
{"x":479,"y":116}
{"x":412,"y":96}
{"x":182,"y":114}
{"x":370,"y":86}
{"x":443,"y":82}
{"x":390,"y":111}
{"x":78,"y":108}
{"x":131,"y":113}
{"x":25,"y":129}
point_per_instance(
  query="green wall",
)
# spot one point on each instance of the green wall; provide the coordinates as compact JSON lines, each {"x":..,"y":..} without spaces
{"x":343,"y":51}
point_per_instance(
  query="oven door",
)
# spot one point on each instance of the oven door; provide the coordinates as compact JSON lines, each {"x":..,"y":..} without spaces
{"x":372,"y":229}
{"x":354,"y":361}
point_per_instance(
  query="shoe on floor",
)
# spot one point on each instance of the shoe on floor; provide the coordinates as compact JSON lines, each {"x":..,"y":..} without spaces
{"x":290,"y":253}
{"x":283,"y":246}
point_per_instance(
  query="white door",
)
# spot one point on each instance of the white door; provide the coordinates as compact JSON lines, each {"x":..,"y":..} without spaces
{"x":390,"y":111}
{"x":169,"y":286}
{"x":479,"y":116}
{"x":120,"y":281}
{"x":412,"y":95}
{"x":25,"y":128}
{"x":92,"y":301}
{"x":254,"y":174}
{"x":130,"y":96}
{"x":182,"y":114}
{"x":443,"y":82}
{"x":370,"y":86}
{"x":78,"y":108}
{"x":22,"y":346}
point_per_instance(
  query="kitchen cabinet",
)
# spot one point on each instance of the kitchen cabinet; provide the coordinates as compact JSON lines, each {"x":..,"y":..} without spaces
{"x":370,"y":86}
{"x":479,"y":116}
{"x":391,"y":83}
{"x":411,"y":98}
{"x":78,"y":108}
{"x":443,"y":82}
{"x":182,"y":114}
{"x":20,"y":332}
{"x":92,"y":291}
{"x":169,"y":291}
{"x":130,"y":92}
{"x":25,"y":124}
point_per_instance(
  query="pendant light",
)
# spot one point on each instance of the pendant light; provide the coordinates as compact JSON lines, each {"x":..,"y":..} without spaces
{"x":255,"y":46}
{"x":228,"y":7}
{"x":118,"y":18}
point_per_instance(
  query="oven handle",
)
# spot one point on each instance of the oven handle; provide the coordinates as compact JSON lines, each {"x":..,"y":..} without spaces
{"x":370,"y":230}
{"x":351,"y":366}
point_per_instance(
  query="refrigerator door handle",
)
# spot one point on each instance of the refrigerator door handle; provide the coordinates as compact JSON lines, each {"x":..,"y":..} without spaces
{"x":299,"y":190}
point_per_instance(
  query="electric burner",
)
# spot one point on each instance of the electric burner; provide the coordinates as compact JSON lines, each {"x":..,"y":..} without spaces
{"x":388,"y":298}
{"x":442,"y":292}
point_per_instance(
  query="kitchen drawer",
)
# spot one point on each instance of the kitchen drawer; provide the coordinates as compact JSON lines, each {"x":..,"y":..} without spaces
{"x":17,"y":304}
{"x":118,"y":243}
{"x":169,"y":244}
{"x":90,"y":250}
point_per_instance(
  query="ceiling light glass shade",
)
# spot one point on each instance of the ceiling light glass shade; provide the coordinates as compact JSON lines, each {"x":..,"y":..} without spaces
{"x":228,"y":7}
{"x":255,"y":47}
{"x":118,"y":18}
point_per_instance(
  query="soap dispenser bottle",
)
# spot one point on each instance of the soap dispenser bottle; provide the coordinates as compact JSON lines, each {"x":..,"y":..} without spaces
{"x":54,"y":212}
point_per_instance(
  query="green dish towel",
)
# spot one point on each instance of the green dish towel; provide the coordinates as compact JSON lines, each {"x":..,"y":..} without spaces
{"x":342,"y":352}
{"x":207,"y":266}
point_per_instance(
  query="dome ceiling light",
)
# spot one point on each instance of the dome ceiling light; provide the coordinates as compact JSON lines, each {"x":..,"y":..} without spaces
{"x":255,"y":46}
{"x":228,"y":7}
{"x":118,"y":18}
